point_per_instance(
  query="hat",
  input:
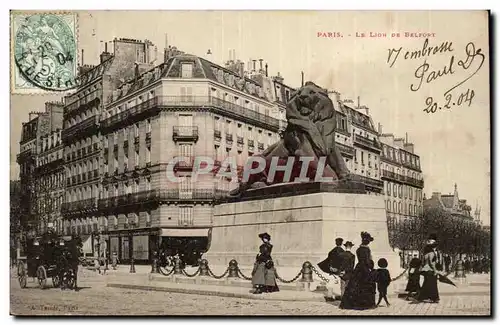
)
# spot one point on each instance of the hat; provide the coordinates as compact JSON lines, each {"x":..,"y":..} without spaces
{"x":339,"y":241}
{"x":265,"y":235}
{"x":382,"y":262}
{"x":348,"y":244}
{"x":432,"y":239}
{"x":366,"y":236}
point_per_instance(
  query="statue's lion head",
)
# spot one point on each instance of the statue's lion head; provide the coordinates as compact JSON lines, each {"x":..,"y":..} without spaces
{"x":312,"y":98}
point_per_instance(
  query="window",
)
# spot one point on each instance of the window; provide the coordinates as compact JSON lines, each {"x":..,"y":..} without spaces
{"x":394,"y":190}
{"x":394,"y":207}
{"x":186,"y":216}
{"x":148,"y":154}
{"x":187,"y":70}
{"x":148,"y":184}
{"x":136,"y":130}
{"x":362,"y":158}
{"x":410,"y":210}
{"x":148,"y":126}
{"x":186,"y":94}
{"x":400,"y":191}
{"x":399,"y":207}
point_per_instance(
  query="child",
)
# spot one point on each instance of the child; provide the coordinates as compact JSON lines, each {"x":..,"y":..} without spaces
{"x":383,"y":280}
{"x":413,"y":285}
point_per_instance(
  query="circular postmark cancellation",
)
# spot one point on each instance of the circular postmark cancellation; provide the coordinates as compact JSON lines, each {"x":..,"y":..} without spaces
{"x":45,"y":50}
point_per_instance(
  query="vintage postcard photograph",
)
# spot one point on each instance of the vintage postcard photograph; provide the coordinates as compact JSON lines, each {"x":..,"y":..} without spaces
{"x":250,"y":163}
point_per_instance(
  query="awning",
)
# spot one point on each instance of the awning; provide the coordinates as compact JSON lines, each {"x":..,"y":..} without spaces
{"x":86,"y":244}
{"x":190,"y":232}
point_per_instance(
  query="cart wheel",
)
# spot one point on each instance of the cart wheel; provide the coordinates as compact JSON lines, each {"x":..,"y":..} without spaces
{"x":21,"y":275}
{"x":71,"y":279}
{"x":55,"y":281}
{"x":41,"y":275}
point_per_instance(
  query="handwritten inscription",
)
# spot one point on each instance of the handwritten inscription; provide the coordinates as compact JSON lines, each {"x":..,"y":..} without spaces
{"x":471,"y":62}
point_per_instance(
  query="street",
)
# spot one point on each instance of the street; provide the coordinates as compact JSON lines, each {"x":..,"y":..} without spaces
{"x":95,"y":298}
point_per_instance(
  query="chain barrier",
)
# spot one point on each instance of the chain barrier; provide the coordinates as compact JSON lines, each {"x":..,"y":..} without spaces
{"x":322,"y":277}
{"x":218,"y":276}
{"x":289,"y":281}
{"x":160,"y":269}
{"x":191,"y":275}
{"x":243,"y":275}
{"x":399,"y":276}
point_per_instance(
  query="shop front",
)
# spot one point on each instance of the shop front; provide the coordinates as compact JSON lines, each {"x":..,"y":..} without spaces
{"x":137,"y":243}
{"x":189,"y":243}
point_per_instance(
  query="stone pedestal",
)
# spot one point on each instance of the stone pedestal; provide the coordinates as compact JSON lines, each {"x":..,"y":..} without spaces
{"x":302,"y":227}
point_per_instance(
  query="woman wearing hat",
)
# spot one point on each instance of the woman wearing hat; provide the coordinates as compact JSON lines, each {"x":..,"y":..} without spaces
{"x":264,"y":273}
{"x":359,"y":291}
{"x":429,"y":290}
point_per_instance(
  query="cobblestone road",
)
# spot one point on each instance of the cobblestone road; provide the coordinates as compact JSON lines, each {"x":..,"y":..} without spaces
{"x":96,"y":299}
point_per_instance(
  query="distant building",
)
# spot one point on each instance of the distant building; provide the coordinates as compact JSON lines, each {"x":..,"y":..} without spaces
{"x":40,"y":168}
{"x":452,"y":204}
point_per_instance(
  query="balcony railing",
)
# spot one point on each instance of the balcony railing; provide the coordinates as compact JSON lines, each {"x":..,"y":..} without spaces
{"x":250,"y":144}
{"x":128,"y":199}
{"x":217,"y":134}
{"x":229,"y":137}
{"x":370,"y":143}
{"x":185,"y":133}
{"x":186,"y":163}
{"x":401,"y":178}
{"x":260,"y":146}
{"x":371,"y":182}
{"x":239,"y":140}
{"x":80,"y":130}
{"x":79,"y":206}
{"x":345,"y":149}
{"x":154,"y":105}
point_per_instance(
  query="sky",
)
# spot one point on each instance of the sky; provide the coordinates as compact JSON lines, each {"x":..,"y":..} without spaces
{"x":453,"y":144}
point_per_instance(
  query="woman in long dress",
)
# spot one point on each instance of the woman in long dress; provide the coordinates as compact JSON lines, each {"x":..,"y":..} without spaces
{"x":413,"y":285}
{"x":429,"y":290}
{"x":359,"y":291}
{"x":264,"y":273}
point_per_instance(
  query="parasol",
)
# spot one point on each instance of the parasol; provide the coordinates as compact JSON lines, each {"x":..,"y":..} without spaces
{"x":445,"y":279}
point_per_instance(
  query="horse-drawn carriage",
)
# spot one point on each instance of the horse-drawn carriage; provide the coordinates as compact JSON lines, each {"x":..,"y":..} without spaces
{"x":50,"y":256}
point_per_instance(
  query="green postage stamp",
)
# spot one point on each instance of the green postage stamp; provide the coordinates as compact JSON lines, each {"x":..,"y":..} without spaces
{"x":44,"y":53}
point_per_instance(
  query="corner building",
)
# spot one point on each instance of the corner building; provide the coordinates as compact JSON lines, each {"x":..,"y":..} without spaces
{"x":187,"y":107}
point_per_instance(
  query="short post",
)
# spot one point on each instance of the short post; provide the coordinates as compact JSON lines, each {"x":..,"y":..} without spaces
{"x":459,"y":270}
{"x":154,"y":266}
{"x":132,"y":265}
{"x":204,"y":268}
{"x":307,"y":272}
{"x":177,"y":265}
{"x":233,"y":269}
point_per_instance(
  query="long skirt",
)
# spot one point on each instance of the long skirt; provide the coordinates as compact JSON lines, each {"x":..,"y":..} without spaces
{"x":360,"y":290}
{"x":413,"y":284}
{"x":264,"y":277}
{"x":429,"y":288}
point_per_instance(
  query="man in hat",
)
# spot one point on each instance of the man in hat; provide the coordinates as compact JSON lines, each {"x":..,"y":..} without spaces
{"x":347,"y":266}
{"x":331,"y":264}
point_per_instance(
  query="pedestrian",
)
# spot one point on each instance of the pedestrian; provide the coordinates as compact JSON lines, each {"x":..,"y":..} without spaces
{"x":383,"y":278}
{"x":413,"y":285}
{"x":264,"y":273}
{"x":114,"y":260}
{"x":331,"y":264}
{"x":429,"y":290}
{"x":447,"y":263}
{"x":359,"y":291}
{"x":347,"y":266}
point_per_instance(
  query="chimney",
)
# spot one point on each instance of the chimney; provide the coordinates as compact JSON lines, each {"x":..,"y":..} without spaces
{"x":254,"y":61}
{"x":234,"y":55}
{"x":260,"y":61}
{"x":266,"y":70}
{"x":82,"y":58}
{"x":105,"y":55}
{"x":229,"y":59}
{"x":379,"y":128}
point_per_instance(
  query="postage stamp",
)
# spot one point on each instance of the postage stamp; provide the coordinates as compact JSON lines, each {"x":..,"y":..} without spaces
{"x":44,"y":52}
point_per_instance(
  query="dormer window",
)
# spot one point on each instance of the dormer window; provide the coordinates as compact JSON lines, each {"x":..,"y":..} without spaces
{"x":187,"y":70}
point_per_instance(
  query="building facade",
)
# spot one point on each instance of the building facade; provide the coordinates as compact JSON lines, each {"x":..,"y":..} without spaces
{"x":452,"y":204}
{"x":186,"y":107}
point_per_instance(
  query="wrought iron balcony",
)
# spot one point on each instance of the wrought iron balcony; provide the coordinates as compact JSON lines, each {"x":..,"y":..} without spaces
{"x":134,"y":114}
{"x":367,"y":143}
{"x":346,"y":150}
{"x":193,"y":195}
{"x":239,"y":140}
{"x":229,"y":137}
{"x":80,"y":130}
{"x":186,"y":164}
{"x":391,"y":176}
{"x":185,"y":133}
{"x":260,"y":146}
{"x":217,"y":134}
{"x":24,"y":156}
{"x":81,"y":206}
{"x":373,"y":185}
{"x":250,"y":144}
{"x":127,"y":200}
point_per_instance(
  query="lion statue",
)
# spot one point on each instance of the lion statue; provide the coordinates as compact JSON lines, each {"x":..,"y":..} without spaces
{"x":310,"y":132}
